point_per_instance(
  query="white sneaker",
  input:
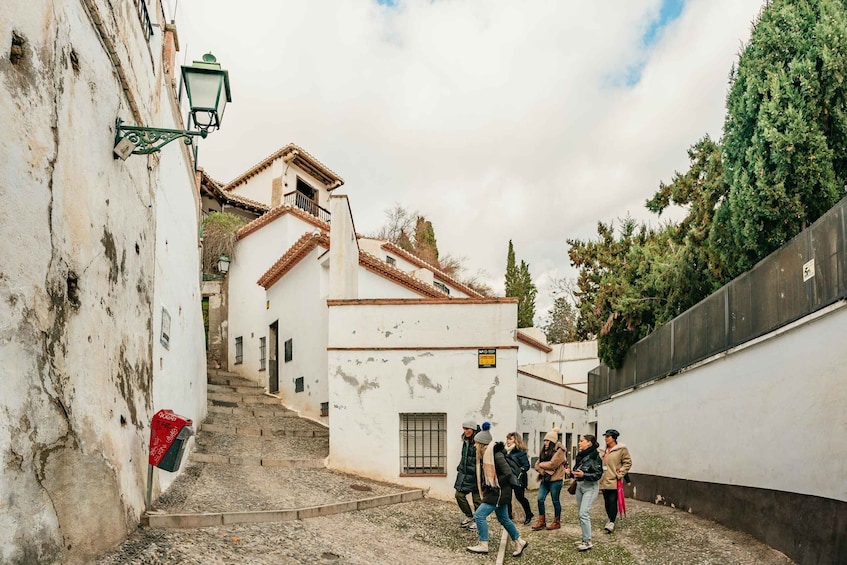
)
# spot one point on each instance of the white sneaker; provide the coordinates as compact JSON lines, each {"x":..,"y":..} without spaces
{"x":585,"y":545}
{"x":466,"y":523}
{"x":520,"y":545}
{"x":610,"y":527}
{"x":472,"y":526}
{"x":481,"y":547}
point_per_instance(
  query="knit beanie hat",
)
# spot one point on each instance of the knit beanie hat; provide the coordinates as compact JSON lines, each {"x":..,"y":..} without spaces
{"x":552,"y":436}
{"x":469,"y":425}
{"x":484,"y":436}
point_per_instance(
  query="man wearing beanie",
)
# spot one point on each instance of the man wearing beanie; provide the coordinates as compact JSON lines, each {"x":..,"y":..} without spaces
{"x":466,"y":476}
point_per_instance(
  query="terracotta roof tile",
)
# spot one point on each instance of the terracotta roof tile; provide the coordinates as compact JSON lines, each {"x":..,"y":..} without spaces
{"x":437,"y":273}
{"x":295,"y":253}
{"x":215,"y":188}
{"x":275,"y":213}
{"x":380,"y":267}
{"x":305,"y":158}
{"x":520,"y":336}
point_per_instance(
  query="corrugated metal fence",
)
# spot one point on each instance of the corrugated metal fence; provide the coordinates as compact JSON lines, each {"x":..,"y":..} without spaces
{"x":777,"y":291}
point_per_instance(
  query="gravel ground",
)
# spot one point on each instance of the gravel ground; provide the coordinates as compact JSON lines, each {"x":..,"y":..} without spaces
{"x":427,"y":531}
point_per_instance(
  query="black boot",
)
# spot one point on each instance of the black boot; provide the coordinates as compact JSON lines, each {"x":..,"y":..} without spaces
{"x":529,"y":518}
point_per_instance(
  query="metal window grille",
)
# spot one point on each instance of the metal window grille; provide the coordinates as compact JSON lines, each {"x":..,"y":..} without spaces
{"x":239,"y":350}
{"x":391,"y":260}
{"x":423,"y":441}
{"x":289,"y":350}
{"x":263,"y":348}
{"x":442,"y":287}
{"x":299,"y":384}
{"x":324,"y":408}
{"x":144,"y":18}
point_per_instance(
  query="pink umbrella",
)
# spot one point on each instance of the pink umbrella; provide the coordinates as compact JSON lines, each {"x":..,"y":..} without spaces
{"x":621,"y":499}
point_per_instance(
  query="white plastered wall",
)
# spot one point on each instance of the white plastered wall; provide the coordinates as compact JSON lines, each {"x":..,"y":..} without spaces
{"x":768,"y":415}
{"x":385,"y":360}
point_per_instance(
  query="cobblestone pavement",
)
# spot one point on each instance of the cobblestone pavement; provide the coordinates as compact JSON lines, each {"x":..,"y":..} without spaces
{"x":427,"y":531}
{"x":421,"y":532}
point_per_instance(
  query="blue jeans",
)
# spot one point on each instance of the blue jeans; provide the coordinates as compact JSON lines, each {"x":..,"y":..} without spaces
{"x":555,"y":490}
{"x":502,"y":512}
{"x":586,"y":494}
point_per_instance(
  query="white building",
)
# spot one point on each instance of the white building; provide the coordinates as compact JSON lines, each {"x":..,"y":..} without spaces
{"x":374,"y":342}
{"x":100,"y":324}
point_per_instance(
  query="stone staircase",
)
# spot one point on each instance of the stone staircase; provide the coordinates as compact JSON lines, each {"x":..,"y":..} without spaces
{"x":254,"y":460}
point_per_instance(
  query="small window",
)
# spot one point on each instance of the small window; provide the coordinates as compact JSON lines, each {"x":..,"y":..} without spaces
{"x":239,"y":350}
{"x":289,"y":349}
{"x":391,"y":260}
{"x":298,"y":384}
{"x":442,"y":287}
{"x":263,"y":348}
{"x":324,"y":408}
{"x":525,"y":436}
{"x":423,"y":440}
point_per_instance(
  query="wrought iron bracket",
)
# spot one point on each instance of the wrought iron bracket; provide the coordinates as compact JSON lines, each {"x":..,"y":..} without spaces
{"x":146,"y":140}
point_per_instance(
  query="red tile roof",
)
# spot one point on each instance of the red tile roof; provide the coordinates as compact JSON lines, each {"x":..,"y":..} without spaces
{"x":216,"y":190}
{"x":436,"y":272}
{"x":275,"y":213}
{"x":520,"y":336}
{"x":303,"y":159}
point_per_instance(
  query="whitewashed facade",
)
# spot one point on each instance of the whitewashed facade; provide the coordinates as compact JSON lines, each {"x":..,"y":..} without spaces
{"x":94,"y":248}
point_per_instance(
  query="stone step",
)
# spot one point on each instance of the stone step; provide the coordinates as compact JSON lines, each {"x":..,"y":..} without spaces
{"x":265,"y":432}
{"x":252,"y":389}
{"x":246,"y":461}
{"x":248,"y":424}
{"x":208,"y":519}
{"x":234,"y":380}
{"x":234,"y":398}
{"x":258,"y":447}
{"x":261,"y":410}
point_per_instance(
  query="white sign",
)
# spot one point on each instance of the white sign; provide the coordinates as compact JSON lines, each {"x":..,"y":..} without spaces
{"x":808,"y":270}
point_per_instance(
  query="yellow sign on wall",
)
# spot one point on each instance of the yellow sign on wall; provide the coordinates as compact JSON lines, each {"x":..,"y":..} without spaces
{"x":487,"y":358}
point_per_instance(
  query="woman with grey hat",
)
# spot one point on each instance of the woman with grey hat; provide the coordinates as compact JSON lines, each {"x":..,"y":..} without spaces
{"x":493,"y":473}
{"x":616,"y":464}
{"x":466,"y":475}
{"x":552,"y":466}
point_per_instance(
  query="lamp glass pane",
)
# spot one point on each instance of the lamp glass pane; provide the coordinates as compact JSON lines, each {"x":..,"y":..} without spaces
{"x":204,"y":89}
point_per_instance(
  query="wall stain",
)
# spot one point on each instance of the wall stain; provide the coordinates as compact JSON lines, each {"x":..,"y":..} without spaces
{"x":422,"y":381}
{"x":111,"y":251}
{"x":486,"y":405}
{"x":407,"y":360}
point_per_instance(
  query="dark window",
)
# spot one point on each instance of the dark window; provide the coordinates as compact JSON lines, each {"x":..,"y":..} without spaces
{"x":305,"y":189}
{"x":526,"y":438}
{"x":263,"y":348}
{"x":289,"y":349}
{"x":423,"y":440}
{"x":324,"y":408}
{"x":239,"y":350}
{"x":298,"y":384}
{"x":391,"y":260}
{"x":442,"y":287}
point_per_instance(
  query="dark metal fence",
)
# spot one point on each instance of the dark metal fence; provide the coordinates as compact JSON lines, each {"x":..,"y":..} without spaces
{"x":804,"y":275}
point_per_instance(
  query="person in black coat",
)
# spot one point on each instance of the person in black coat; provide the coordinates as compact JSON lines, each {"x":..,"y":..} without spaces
{"x":587,"y":471}
{"x":466,"y":476}
{"x":493,"y":474}
{"x":516,"y":451}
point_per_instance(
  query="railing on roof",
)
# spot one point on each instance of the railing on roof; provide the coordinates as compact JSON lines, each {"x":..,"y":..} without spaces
{"x":777,"y":291}
{"x":300,"y":200}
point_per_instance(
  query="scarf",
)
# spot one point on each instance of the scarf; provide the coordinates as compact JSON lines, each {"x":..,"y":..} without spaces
{"x":489,"y":471}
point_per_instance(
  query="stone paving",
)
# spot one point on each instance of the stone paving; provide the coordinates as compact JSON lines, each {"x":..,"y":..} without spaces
{"x":420,"y":532}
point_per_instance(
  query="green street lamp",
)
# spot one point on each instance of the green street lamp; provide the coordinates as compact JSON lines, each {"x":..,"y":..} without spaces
{"x":207,"y":87}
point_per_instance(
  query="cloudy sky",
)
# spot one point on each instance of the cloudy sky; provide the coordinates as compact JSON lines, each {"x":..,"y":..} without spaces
{"x":496,"y":119}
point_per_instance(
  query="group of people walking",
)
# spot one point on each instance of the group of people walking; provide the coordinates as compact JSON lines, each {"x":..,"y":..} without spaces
{"x":492,"y":472}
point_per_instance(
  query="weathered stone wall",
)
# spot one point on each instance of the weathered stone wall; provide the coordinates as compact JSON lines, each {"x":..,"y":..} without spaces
{"x":76,"y":276}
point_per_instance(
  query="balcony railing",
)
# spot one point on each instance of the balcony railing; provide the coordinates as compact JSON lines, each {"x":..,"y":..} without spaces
{"x":300,"y":200}
{"x":144,"y":17}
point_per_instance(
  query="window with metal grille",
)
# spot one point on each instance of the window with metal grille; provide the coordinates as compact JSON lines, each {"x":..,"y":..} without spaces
{"x":263,"y":348}
{"x":391,"y":260}
{"x":423,"y":441}
{"x":299,"y":384}
{"x":442,"y":287}
{"x":289,"y":350}
{"x":239,"y":350}
{"x":324,"y":408}
{"x":144,"y":18}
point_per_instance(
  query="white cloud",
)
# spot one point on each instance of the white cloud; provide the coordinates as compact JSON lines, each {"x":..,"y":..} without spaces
{"x":497,"y":120}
